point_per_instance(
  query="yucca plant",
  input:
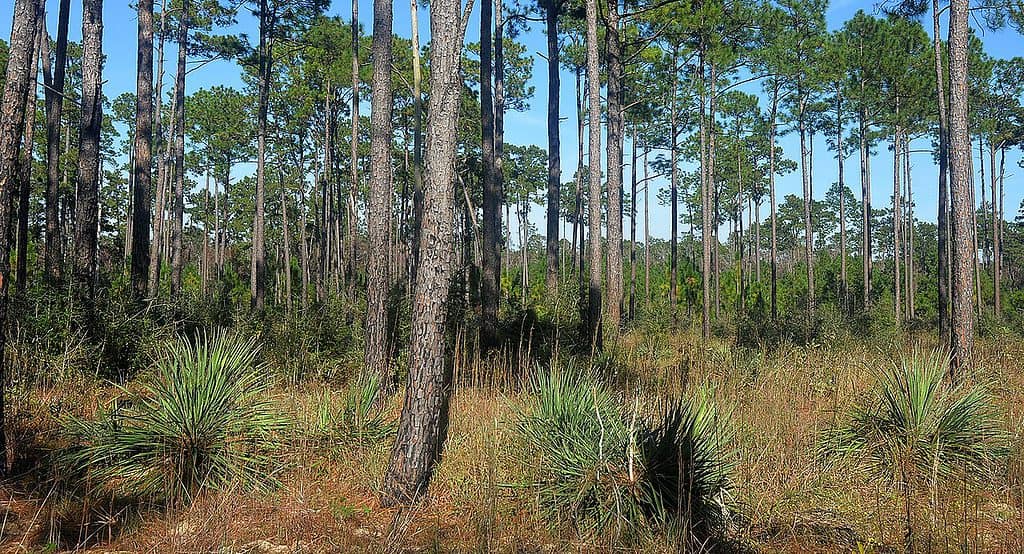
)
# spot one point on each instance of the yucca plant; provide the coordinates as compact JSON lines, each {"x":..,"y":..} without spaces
{"x":201,"y":420}
{"x":689,"y":456}
{"x":618,"y":470}
{"x":917,"y":432}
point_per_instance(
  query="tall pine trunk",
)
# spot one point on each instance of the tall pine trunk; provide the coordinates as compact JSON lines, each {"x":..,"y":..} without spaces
{"x":378,"y":217}
{"x":258,"y":265}
{"x":614,"y":160}
{"x":491,"y":282}
{"x":423,"y":425}
{"x":554,"y":146}
{"x":962,"y":228}
{"x":25,"y":165}
{"x":54,"y":108}
{"x":143,"y":163}
{"x":178,"y":205}
{"x":594,"y":188}
{"x":17,"y":81}
{"x":87,"y":196}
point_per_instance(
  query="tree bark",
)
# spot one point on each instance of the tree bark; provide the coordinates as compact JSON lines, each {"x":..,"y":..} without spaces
{"x":805,"y":162}
{"x":18,"y":76}
{"x":840,"y":154}
{"x":614,"y":160}
{"x":143,"y":164}
{"x":594,"y":188}
{"x":178,"y":206}
{"x":87,"y":195}
{"x":865,"y":184}
{"x":962,"y":229}
{"x":25,"y":163}
{"x":773,"y":114}
{"x":54,"y":91}
{"x":491,"y":282}
{"x":423,"y":425}
{"x":554,"y":146}
{"x":378,"y":348}
{"x":673,"y":278}
{"x":153,"y":284}
{"x":258,"y":266}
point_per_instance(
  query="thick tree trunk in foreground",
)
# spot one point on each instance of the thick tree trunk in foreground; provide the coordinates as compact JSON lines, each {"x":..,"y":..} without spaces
{"x":594,"y":189}
{"x":423,"y":425}
{"x":378,"y":350}
{"x":87,"y":197}
{"x":24,"y":30}
{"x":143,"y":165}
{"x":962,"y":228}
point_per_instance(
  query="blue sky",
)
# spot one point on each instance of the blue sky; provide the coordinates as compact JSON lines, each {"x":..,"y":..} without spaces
{"x":530,"y":126}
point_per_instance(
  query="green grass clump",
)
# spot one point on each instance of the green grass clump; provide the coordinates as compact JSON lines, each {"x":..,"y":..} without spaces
{"x":358,"y":418}
{"x":201,"y":420}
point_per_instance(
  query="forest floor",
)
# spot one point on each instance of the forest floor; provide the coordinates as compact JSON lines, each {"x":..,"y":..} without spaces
{"x":786,"y":498}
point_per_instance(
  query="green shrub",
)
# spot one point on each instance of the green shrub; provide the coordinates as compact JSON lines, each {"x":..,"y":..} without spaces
{"x":201,"y":420}
{"x":915,"y":432}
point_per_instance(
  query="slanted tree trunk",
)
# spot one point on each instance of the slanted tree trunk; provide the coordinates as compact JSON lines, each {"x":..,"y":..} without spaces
{"x":178,"y":206}
{"x":962,"y":229}
{"x":87,"y":196}
{"x":143,"y":163}
{"x":594,"y":188}
{"x":491,"y":282}
{"x":554,"y":146}
{"x":378,"y":348}
{"x":423,"y":425}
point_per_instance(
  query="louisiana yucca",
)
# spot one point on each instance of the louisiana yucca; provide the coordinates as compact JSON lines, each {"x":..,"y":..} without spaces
{"x":201,"y":420}
{"x":611,"y":469}
{"x":917,"y":432}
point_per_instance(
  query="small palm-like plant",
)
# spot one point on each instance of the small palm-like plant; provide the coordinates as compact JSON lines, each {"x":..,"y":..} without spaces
{"x":202,"y":419}
{"x":613,"y":469}
{"x":914,"y":431}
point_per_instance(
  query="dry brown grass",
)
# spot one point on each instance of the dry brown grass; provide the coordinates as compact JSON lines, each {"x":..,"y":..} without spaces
{"x":788,"y":499}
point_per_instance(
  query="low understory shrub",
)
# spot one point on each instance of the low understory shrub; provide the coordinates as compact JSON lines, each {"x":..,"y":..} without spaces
{"x":916,"y":432}
{"x":201,"y":420}
{"x":615,"y":471}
